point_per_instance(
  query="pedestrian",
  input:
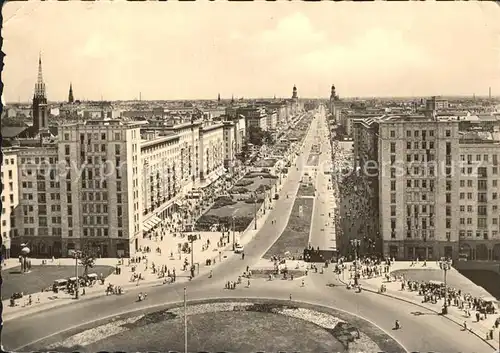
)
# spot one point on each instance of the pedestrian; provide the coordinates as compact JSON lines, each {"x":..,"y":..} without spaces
{"x":302,"y":285}
{"x":248,"y":284}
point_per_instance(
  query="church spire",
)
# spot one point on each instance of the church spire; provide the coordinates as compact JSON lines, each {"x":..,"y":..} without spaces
{"x":71,"y":99}
{"x":40,"y":85}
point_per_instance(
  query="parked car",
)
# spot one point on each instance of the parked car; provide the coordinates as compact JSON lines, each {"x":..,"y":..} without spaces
{"x":238,"y":249}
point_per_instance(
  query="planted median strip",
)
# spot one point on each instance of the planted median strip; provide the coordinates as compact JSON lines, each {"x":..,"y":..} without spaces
{"x":295,"y":237}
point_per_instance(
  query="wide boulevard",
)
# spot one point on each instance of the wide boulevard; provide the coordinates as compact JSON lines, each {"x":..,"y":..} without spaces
{"x":421,"y":330}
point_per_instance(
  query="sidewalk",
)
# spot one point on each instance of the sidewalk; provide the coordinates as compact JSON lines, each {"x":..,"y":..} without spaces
{"x":456,"y":315}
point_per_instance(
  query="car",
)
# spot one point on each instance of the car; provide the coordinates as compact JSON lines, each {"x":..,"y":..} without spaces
{"x":238,"y":249}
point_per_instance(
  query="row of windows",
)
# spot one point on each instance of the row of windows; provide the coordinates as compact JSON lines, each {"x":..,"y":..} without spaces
{"x":481,"y":222}
{"x":98,"y":220}
{"x":95,"y":136}
{"x":416,"y":133}
{"x":485,"y":158}
{"x":494,"y":208}
{"x":479,"y":233}
{"x":8,"y":161}
{"x":38,"y":160}
{"x":480,"y":196}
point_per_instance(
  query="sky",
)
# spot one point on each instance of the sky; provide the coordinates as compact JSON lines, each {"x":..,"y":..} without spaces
{"x":173,"y":50}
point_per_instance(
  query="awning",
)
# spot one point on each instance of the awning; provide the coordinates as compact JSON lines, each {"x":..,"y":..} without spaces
{"x":146,"y":226}
{"x":155,"y":221}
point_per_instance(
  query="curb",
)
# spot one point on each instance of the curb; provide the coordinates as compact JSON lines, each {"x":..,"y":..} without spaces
{"x":488,"y":342}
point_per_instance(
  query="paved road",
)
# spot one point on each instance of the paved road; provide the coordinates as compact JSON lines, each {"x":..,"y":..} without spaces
{"x":424,"y":333}
{"x":323,"y":228}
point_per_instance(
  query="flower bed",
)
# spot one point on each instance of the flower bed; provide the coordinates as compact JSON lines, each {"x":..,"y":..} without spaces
{"x":244,"y":182}
{"x":223,"y":201}
{"x":295,"y":237}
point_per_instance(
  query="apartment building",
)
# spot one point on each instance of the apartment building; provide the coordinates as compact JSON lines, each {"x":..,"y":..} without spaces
{"x":187,"y":168}
{"x":271,"y":119}
{"x":418,"y":175}
{"x":82,"y":192}
{"x":10,"y":198}
{"x":160,"y":178}
{"x":101,"y":186}
{"x":478,"y":200}
{"x":212,"y":155}
{"x":437,"y":189}
{"x":38,"y":213}
{"x":254,"y":117}
{"x":229,"y":145}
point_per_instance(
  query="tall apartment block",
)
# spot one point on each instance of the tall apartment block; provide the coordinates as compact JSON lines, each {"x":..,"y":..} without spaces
{"x":437,"y":187}
{"x":10,"y":198}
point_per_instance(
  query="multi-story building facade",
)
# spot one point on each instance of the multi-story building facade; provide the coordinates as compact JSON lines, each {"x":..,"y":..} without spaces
{"x":211,"y":151}
{"x":82,"y":192}
{"x":419,"y":172}
{"x":10,"y":198}
{"x":38,"y":214}
{"x":229,"y":145}
{"x":160,"y":178}
{"x":254,"y":117}
{"x":478,"y":199}
{"x":102,"y":206}
{"x":437,"y":189}
{"x":272,"y":119}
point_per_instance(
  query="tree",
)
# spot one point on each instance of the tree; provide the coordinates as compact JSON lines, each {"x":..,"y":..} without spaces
{"x":87,"y":260}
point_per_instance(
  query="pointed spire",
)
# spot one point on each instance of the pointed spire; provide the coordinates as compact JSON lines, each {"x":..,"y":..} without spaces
{"x":40,"y":75}
{"x":40,"y":85}
{"x":70,"y":96}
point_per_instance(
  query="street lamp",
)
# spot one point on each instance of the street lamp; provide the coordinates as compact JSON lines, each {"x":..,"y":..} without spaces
{"x":255,"y":210}
{"x":232,"y":224}
{"x":77,"y":254}
{"x":355,"y":243}
{"x":445,"y":265}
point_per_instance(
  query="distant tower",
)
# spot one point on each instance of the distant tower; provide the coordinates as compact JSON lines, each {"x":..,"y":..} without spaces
{"x":232,"y":99}
{"x":294,"y":93}
{"x":70,"y":96}
{"x":333,"y":98}
{"x":218,"y":98}
{"x":489,"y":93}
{"x":40,"y":109}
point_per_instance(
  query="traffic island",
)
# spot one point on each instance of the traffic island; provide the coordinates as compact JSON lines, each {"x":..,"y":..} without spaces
{"x":229,"y":325}
{"x":295,"y":237}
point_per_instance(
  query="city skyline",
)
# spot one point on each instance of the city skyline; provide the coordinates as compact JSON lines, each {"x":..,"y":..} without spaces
{"x":411,"y":50}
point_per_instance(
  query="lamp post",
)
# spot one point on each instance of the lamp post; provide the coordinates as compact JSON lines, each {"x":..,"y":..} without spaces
{"x":191,"y":239}
{"x":445,"y":265}
{"x":355,"y":243}
{"x":232,"y":223}
{"x":77,"y":254}
{"x":255,"y":211}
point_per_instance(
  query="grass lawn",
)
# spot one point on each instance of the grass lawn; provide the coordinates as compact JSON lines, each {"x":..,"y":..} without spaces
{"x":224,"y":331}
{"x":257,"y":181}
{"x":295,"y":237}
{"x":266,"y":163}
{"x":41,"y":277}
{"x":228,"y":331}
{"x":305,"y":190}
{"x":239,"y":209}
{"x":313,"y":160}
{"x":453,"y":279}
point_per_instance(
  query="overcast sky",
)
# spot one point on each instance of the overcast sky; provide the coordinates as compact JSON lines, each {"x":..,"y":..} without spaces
{"x":196,"y":50}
